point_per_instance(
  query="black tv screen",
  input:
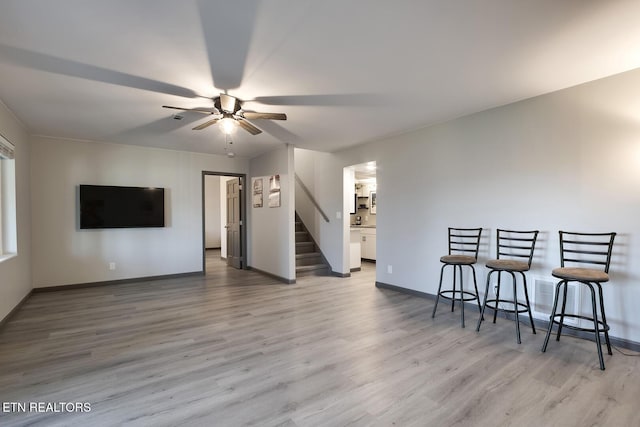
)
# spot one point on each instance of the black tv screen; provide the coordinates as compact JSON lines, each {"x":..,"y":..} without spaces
{"x":105,"y":206}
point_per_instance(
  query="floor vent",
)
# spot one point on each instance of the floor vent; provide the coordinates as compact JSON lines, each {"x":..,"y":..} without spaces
{"x":542,"y":299}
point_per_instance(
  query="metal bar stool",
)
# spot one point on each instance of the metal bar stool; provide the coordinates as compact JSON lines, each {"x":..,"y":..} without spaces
{"x":463,"y":251}
{"x":510,"y":244}
{"x":583,"y":248}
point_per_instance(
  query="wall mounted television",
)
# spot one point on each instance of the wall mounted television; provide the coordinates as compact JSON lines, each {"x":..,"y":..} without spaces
{"x":106,"y":206}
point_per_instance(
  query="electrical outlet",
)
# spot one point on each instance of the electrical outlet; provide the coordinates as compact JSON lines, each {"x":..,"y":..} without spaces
{"x":112,"y":266}
{"x":389,"y":269}
{"x":338,"y":215}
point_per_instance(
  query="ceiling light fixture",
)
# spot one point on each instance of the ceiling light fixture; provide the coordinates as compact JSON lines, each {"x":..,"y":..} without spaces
{"x":228,"y":125}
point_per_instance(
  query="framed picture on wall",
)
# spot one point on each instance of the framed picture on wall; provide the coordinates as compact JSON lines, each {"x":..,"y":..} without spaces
{"x":274,"y":191}
{"x":257,"y":193}
{"x":372,"y":202}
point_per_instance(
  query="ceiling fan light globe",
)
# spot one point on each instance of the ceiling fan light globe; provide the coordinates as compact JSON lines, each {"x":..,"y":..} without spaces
{"x":228,"y":125}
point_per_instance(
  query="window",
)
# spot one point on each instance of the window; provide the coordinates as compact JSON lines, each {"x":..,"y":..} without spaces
{"x":8,"y":235}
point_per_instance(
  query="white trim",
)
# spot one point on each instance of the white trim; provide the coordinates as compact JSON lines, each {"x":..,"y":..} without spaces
{"x":7,"y":257}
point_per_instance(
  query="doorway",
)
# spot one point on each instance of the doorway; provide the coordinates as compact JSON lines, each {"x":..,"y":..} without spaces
{"x":360,"y":195}
{"x":224,"y":218}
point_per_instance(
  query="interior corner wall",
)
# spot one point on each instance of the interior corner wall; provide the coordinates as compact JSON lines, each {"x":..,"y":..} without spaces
{"x":15,"y":272}
{"x":65,"y":255}
{"x":212,"y":228}
{"x":271,"y":238}
{"x":569,"y":160}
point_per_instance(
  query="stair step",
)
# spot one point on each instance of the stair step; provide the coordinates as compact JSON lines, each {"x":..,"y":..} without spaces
{"x":313,"y":269}
{"x":309,"y":258}
{"x":308,"y":255}
{"x":304,"y":247}
{"x":302,"y":236}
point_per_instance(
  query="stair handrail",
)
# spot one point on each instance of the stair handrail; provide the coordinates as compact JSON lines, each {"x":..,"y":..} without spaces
{"x":313,"y":200}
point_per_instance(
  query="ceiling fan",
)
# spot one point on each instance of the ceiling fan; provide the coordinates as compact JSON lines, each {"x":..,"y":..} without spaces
{"x":228,"y":111}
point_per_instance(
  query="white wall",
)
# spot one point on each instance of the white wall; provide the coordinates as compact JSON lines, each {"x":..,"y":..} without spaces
{"x":568,"y":160}
{"x":15,"y":273}
{"x":66,"y":255}
{"x":212,"y":211}
{"x":271,"y":238}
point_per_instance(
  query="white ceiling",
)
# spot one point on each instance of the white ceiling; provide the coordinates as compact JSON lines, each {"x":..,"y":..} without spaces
{"x":345,"y":72}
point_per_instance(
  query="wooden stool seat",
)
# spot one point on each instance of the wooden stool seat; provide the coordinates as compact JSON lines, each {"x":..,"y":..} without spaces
{"x":458,"y":259}
{"x":507,"y":265}
{"x":580,"y":274}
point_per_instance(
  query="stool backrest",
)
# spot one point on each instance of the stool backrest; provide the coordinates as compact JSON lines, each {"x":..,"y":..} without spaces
{"x":464,"y":241}
{"x":586,"y":248}
{"x":516,"y":244}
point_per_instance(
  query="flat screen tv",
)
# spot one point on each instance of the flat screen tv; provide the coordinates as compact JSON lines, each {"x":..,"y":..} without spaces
{"x":106,"y":206}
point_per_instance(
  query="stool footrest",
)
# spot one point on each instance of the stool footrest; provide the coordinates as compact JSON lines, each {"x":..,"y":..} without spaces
{"x":495,"y":303}
{"x":451,"y":295}
{"x":604,"y":328}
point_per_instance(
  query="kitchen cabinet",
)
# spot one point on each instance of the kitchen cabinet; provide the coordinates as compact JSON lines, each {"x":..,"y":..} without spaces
{"x":368,"y":243}
{"x":365,"y":195}
{"x":355,"y":250}
{"x":364,"y":189}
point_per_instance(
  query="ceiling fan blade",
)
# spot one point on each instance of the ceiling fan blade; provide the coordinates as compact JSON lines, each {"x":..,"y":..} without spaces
{"x":227,"y":27}
{"x":206,"y":124}
{"x":67,"y":67}
{"x":202,"y":110}
{"x":268,"y":116}
{"x":228,"y":103}
{"x":249,"y":127}
{"x":174,"y":108}
{"x":325,"y":100}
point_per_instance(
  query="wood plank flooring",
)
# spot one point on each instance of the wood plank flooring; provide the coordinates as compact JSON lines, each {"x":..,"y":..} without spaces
{"x":237,"y":348}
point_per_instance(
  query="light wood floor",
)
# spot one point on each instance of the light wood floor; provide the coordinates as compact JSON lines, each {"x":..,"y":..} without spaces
{"x":235,"y":348}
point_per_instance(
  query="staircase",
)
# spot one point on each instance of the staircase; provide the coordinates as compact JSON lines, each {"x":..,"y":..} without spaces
{"x":309,"y":259}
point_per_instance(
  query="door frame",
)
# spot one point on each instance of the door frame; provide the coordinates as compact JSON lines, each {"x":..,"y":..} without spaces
{"x":243,"y":215}
{"x":348,"y":200}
